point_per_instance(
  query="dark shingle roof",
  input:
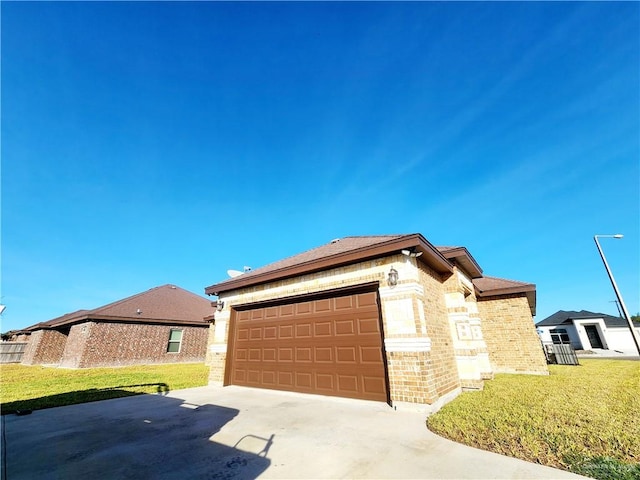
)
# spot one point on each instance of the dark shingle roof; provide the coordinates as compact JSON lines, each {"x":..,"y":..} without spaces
{"x":335,"y":253}
{"x":164,"y":304}
{"x":562,"y":317}
{"x":335,"y":247}
{"x":488,"y":286}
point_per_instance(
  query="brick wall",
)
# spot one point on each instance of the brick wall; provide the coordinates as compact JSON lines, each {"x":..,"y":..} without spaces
{"x":510,"y":335}
{"x":44,"y":347}
{"x":411,"y":377}
{"x":103,"y":344}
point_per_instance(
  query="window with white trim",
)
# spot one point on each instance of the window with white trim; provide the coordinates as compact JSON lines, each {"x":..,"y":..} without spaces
{"x":175,"y":341}
{"x":560,"y":336}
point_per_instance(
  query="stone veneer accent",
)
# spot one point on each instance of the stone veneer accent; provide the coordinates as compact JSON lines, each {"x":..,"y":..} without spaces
{"x":466,"y":330}
{"x":510,"y":335}
{"x":44,"y":347}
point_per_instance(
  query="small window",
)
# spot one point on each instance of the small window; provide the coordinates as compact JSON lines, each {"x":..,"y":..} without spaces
{"x":560,"y":336}
{"x":175,"y":340}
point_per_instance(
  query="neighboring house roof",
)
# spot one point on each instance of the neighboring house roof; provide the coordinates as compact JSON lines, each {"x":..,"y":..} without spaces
{"x":566,"y":317}
{"x":165,"y":304}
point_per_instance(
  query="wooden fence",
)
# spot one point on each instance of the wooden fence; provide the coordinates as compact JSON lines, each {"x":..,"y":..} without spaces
{"x":12,"y":352}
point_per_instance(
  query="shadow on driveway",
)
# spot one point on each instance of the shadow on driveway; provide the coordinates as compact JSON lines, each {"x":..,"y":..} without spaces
{"x":141,"y":437}
{"x":79,"y":396}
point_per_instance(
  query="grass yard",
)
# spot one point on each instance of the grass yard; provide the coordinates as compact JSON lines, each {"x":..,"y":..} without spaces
{"x":585,"y":419}
{"x":34,"y":387}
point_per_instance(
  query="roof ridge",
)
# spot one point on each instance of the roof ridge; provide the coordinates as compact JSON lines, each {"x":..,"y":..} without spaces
{"x":122,"y":300}
{"x":336,"y":240}
{"x":377,"y":236}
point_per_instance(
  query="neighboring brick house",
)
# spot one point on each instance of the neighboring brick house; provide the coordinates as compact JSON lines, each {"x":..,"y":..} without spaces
{"x":166,"y":324}
{"x":387,"y":318}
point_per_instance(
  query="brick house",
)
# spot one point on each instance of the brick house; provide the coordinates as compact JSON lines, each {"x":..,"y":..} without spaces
{"x":386,"y":318}
{"x":163,"y":325}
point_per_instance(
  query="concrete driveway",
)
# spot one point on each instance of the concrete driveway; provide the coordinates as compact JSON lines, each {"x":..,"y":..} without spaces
{"x":239,"y":433}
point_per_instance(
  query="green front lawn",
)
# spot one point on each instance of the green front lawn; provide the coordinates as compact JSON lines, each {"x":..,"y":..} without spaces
{"x":585,"y":418}
{"x":34,"y":387}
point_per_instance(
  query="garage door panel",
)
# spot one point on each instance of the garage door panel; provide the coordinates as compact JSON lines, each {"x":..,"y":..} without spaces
{"x":303,"y":308}
{"x":322,"y":305}
{"x":286,"y":310}
{"x":344,"y":302}
{"x":345,"y":327}
{"x":285,"y":354}
{"x":269,"y":378}
{"x":303,"y":354}
{"x":324,"y":381}
{"x":372,"y":385}
{"x":370,"y":355}
{"x":255,"y":333}
{"x":304,"y":380}
{"x":323,"y":354}
{"x":255,"y":355}
{"x":348,"y":383}
{"x":322,"y":329}
{"x":269,"y":354}
{"x":285,"y":332}
{"x":345,"y":354}
{"x":303,"y":330}
{"x":367,"y":299}
{"x":285,"y":380}
{"x":368,"y":325}
{"x":331,"y":346}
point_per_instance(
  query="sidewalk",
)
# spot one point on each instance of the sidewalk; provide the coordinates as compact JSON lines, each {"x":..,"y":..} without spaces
{"x":602,"y":353}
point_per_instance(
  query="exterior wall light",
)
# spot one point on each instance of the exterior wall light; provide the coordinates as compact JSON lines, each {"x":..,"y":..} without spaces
{"x":219,"y":305}
{"x":393,"y":277}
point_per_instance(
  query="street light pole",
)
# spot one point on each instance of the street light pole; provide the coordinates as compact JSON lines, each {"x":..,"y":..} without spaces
{"x":634,"y":335}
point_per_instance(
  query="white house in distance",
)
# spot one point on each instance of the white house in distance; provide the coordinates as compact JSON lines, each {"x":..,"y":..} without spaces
{"x":587,"y":330}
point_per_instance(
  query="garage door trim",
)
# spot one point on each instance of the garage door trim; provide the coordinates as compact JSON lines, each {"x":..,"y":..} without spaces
{"x":307,"y":297}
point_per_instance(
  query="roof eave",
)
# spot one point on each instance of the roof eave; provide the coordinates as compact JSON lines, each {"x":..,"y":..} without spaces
{"x":431,"y":256}
{"x":465,"y":259}
{"x":163,"y":321}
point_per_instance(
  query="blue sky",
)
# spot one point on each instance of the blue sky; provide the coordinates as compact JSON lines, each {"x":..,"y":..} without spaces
{"x":151,"y":143}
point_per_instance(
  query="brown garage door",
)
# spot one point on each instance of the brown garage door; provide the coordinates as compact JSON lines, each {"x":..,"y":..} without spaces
{"x":327,"y":346}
